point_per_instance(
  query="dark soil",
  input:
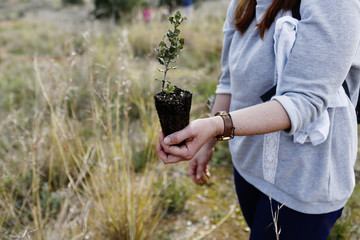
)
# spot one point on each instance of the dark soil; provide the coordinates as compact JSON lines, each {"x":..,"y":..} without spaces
{"x":173,"y":110}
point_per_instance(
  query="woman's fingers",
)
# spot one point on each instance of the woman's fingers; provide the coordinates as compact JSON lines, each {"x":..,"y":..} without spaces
{"x":178,"y":153}
{"x":194,"y":137}
{"x":163,"y":149}
{"x":203,"y":174}
{"x":207,"y":173}
{"x":198,"y":171}
{"x":165,"y":157}
{"x":160,"y":151}
{"x":178,"y":137}
{"x":193,"y":170}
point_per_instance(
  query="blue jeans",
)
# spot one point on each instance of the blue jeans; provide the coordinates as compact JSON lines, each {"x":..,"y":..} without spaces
{"x":294,"y":225}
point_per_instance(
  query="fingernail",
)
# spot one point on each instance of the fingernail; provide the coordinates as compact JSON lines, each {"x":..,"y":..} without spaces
{"x":167,"y":140}
{"x":197,"y":176}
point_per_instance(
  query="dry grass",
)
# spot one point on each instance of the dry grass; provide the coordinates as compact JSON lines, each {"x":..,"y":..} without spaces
{"x":78,"y":131}
{"x":68,"y":162}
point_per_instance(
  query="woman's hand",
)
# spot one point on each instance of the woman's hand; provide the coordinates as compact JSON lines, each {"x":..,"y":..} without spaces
{"x":198,"y":170}
{"x":195,"y":135}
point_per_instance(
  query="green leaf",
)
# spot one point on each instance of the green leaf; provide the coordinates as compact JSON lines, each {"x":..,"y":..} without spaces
{"x":170,"y":34}
{"x":168,"y":55}
{"x":182,"y":41}
{"x":172,"y":49}
{"x":169,"y":89}
{"x":163,"y":52}
{"x":161,"y":61}
{"x":162,"y":44}
{"x":177,"y":15}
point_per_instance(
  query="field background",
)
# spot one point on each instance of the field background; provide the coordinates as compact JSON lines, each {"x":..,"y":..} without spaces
{"x":78,"y":129}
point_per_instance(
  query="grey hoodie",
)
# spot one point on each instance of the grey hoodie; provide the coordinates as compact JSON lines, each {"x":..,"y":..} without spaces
{"x":309,"y":179}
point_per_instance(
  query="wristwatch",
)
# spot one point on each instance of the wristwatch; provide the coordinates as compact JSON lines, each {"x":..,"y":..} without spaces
{"x":229,"y":128}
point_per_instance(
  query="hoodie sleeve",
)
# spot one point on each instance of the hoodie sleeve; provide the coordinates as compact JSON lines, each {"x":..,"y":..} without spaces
{"x":224,"y":86}
{"x":325,"y":49}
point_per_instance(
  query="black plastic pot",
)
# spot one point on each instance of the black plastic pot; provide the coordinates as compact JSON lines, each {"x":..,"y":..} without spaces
{"x":173,"y":110}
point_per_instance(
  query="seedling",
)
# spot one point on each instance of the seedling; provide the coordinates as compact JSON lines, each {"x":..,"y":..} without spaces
{"x":169,"y":49}
{"x":172,"y":104}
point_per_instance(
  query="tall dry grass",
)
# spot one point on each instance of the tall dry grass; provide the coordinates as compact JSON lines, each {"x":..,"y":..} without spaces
{"x":81,"y":162}
{"x":78,"y":127}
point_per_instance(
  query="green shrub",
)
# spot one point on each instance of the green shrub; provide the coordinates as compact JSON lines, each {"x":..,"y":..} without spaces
{"x":175,"y":195}
{"x":116,"y":9}
{"x":347,"y":226}
{"x":175,"y":3}
{"x":171,"y":3}
{"x":74,"y":2}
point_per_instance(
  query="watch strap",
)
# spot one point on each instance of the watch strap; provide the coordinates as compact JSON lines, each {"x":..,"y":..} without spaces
{"x":228,"y":127}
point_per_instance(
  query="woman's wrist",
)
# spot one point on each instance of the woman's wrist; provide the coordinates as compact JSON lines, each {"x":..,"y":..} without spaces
{"x":218,"y":125}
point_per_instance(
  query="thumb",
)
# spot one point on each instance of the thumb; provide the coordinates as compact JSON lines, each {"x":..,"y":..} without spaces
{"x":178,"y":136}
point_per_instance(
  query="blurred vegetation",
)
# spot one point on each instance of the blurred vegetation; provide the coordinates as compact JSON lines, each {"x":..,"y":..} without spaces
{"x":348,"y":227}
{"x":78,"y":129}
{"x":116,"y":9}
{"x":66,"y":2}
{"x":172,"y":4}
{"x":176,"y":194}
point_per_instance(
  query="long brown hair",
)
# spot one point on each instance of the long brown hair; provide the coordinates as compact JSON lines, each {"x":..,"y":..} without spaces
{"x":246,"y":10}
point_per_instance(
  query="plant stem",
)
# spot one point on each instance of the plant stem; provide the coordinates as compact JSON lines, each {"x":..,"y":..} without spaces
{"x":165,"y":72}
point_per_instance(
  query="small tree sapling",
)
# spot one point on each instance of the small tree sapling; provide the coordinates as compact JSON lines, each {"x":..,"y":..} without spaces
{"x":169,"y":49}
{"x":172,"y":104}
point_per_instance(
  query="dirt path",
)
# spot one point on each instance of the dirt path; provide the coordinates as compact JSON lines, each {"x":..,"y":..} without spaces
{"x":212,"y":211}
